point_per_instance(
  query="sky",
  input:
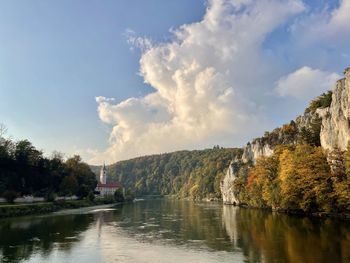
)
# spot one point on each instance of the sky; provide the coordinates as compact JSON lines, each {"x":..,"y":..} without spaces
{"x":112,"y":80}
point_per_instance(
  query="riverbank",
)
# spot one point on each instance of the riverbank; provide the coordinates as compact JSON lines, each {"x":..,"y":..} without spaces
{"x":14,"y":210}
{"x":343,"y":216}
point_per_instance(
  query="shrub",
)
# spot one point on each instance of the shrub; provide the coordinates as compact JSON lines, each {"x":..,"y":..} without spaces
{"x":322,"y":101}
{"x":91,"y":196}
{"x":118,"y":195}
{"x":50,"y":197}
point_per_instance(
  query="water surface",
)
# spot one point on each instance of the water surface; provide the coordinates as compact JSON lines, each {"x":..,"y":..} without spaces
{"x":173,"y":231}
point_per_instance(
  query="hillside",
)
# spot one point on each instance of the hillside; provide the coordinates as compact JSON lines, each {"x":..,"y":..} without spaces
{"x":304,"y":165}
{"x":194,"y":174}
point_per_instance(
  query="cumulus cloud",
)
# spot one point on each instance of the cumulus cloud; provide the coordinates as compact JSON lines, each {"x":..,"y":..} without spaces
{"x":216,"y":81}
{"x":306,"y":83}
{"x":207,"y":83}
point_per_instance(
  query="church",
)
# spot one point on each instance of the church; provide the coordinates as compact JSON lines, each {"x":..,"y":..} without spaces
{"x":105,"y":189}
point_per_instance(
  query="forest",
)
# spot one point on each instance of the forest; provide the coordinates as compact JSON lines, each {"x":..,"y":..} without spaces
{"x":24,"y":170}
{"x":186,"y":174}
{"x":298,"y":177}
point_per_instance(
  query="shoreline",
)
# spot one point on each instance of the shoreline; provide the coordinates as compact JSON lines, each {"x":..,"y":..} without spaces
{"x":320,"y":214}
{"x":69,"y":206}
{"x":18,"y":210}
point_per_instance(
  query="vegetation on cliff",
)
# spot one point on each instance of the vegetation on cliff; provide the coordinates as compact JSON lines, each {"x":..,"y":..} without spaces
{"x":322,"y":101}
{"x":192,"y":174}
{"x":298,"y":177}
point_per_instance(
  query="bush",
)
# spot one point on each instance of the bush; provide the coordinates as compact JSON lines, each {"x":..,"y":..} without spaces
{"x":50,"y":197}
{"x":118,"y":195}
{"x":91,"y":196}
{"x":322,"y":101}
{"x":130,"y":196}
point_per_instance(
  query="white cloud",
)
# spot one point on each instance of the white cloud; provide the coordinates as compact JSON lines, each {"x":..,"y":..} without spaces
{"x":329,"y":26}
{"x":306,"y":83}
{"x":135,"y":41}
{"x":207,"y":83}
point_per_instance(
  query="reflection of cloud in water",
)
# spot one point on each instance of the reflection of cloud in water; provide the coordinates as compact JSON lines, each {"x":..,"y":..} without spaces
{"x":102,"y":210}
{"x":116,"y":246}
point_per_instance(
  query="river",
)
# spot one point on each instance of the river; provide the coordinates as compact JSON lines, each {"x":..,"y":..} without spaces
{"x":173,"y":231}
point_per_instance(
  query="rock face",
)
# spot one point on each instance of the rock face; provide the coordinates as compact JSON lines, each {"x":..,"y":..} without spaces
{"x":226,"y":185}
{"x":257,"y":148}
{"x":334,"y":133}
{"x":335,"y":130}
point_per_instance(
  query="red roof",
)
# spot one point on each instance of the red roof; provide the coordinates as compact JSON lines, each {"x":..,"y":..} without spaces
{"x":110,"y":185}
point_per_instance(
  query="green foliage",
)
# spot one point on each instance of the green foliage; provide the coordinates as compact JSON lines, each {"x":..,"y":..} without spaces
{"x":50,"y":197}
{"x":26,"y":171}
{"x":118,"y":195}
{"x":311,"y":135}
{"x":129,"y":195}
{"x":91,"y":196}
{"x":322,"y":101}
{"x":69,"y":185}
{"x":287,"y":134}
{"x":187,"y":174}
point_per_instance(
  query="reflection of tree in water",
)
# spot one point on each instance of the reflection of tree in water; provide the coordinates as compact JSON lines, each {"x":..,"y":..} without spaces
{"x":261,"y":236}
{"x":21,"y":237}
{"x":176,"y":221}
{"x":270,"y":237}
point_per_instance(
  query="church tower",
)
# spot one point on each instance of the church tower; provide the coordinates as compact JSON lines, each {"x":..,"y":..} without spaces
{"x":103,"y":175}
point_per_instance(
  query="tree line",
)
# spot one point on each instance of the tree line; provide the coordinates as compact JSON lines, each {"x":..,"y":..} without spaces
{"x":186,"y":174}
{"x":24,"y":170}
{"x":298,"y":177}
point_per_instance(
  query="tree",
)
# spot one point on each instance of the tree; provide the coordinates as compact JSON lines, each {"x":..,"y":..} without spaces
{"x":85,"y":178}
{"x":118,"y":195}
{"x":340,"y":167}
{"x":262,"y":186}
{"x":305,"y":179}
{"x":69,"y":185}
{"x":311,"y":134}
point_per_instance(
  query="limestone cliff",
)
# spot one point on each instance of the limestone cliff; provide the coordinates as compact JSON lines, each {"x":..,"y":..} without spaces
{"x":330,"y":125}
{"x":335,"y":130}
{"x":255,"y":149}
{"x":226,"y":186}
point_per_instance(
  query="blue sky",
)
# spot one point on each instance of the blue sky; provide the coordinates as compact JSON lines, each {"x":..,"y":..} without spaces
{"x":56,"y":57}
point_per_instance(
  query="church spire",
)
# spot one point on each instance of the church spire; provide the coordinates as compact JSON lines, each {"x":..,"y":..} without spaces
{"x":103,"y":174}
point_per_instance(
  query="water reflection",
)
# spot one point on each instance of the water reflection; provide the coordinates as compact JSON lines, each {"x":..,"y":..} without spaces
{"x":192,"y":232}
{"x":271,"y":237}
{"x":21,"y":237}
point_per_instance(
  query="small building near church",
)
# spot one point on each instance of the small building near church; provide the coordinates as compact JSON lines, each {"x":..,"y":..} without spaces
{"x":105,"y":189}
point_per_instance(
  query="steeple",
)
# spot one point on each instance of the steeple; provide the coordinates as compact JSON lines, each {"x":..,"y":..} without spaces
{"x":103,"y":174}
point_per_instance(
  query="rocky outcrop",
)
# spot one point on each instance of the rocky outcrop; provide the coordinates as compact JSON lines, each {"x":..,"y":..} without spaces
{"x":226,"y":185}
{"x":287,"y":134}
{"x":255,"y":149}
{"x":335,"y":130}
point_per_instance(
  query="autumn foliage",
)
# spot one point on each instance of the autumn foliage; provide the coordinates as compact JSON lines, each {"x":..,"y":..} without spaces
{"x":301,"y":177}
